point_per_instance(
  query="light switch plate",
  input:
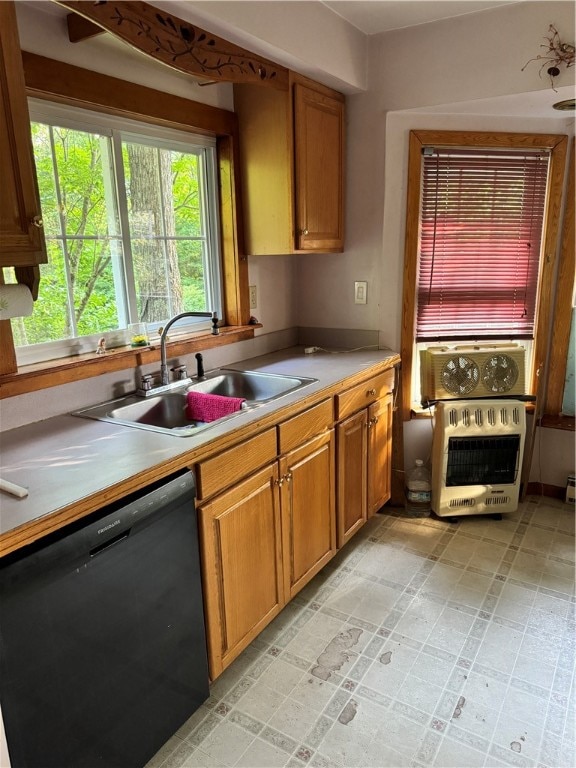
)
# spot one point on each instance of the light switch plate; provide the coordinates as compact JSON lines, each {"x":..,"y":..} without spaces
{"x":360,"y":292}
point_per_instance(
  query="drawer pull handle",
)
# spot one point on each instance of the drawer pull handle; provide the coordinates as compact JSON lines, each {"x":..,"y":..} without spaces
{"x":288,"y":477}
{"x":303,"y":231}
{"x":374,"y":421}
{"x":371,"y":393}
{"x":279,"y":482}
{"x":38,"y":222}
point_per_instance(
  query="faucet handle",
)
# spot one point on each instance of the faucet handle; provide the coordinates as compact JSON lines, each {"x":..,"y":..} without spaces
{"x":180,"y":372}
{"x":146,"y":382}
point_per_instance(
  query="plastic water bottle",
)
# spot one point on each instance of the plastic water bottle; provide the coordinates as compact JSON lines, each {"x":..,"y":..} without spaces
{"x":418,"y":491}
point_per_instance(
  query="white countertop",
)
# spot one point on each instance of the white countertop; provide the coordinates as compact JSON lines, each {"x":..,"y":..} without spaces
{"x":66,"y":459}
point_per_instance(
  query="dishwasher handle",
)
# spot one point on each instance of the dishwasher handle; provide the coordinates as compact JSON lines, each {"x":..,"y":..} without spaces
{"x":110,"y":543}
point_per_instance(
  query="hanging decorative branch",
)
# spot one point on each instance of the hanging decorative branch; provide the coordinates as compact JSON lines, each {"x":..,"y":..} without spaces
{"x":557,"y":53}
{"x":178,"y":44}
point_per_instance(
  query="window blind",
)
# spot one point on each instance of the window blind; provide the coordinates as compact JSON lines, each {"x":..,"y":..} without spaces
{"x":481,"y":222}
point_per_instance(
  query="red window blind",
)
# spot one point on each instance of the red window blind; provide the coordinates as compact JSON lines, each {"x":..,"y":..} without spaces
{"x":481,"y":222}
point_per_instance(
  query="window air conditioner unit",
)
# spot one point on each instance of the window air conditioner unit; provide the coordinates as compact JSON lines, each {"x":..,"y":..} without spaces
{"x":477,"y":452}
{"x":490,"y":370}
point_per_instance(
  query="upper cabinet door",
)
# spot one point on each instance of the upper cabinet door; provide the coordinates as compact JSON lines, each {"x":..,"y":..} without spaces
{"x":291,"y":167}
{"x":21,"y":235}
{"x":318,"y":164}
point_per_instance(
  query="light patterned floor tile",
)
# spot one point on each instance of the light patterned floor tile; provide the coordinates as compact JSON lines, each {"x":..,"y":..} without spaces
{"x":452,"y":754}
{"x":422,"y":697}
{"x":465,"y":662}
{"x":519,"y":737}
{"x":260,"y":754}
{"x":226,"y":743}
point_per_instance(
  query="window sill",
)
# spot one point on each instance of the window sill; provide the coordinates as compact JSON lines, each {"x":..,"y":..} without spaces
{"x":32,"y":378}
{"x":417,"y":412}
{"x":567,"y":423}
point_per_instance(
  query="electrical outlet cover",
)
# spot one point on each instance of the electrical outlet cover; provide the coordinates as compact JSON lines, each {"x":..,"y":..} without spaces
{"x":360,"y":292}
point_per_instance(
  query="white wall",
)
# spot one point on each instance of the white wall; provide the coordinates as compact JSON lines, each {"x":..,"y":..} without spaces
{"x":444,"y":66}
{"x":42,"y":29}
{"x":304,"y":36}
{"x":460,"y":74}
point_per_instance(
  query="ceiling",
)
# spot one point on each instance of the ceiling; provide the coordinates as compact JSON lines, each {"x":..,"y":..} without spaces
{"x":375,"y":16}
{"x":369,"y":16}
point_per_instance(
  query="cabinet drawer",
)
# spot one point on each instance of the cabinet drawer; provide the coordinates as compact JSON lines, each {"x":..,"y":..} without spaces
{"x":363,"y":394}
{"x":298,"y":429}
{"x":228,"y":467}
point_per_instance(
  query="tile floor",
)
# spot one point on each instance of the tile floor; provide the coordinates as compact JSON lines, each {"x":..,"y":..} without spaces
{"x":421,"y":644}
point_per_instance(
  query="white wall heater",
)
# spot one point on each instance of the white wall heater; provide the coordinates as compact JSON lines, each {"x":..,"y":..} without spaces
{"x":477,"y":452}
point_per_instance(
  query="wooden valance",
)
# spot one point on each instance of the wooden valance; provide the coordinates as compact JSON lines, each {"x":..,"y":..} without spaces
{"x":179,"y":44}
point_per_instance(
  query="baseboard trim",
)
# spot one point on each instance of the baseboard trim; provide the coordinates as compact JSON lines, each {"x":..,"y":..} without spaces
{"x":544,"y":489}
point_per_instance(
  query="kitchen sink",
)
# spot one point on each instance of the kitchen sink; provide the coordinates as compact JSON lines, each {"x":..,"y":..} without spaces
{"x":166,"y":411}
{"x":253,"y":386}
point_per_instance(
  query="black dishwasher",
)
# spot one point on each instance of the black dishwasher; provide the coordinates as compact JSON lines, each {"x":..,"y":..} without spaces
{"x":102,"y":640}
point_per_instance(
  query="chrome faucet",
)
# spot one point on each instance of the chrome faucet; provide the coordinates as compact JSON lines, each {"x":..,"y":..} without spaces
{"x":164,"y":377}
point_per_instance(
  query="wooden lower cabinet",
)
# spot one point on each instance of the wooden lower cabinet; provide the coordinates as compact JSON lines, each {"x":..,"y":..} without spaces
{"x":262,"y":541}
{"x":364,"y":461}
{"x":267,"y":535}
{"x":241,"y":540}
{"x":379,"y":453}
{"x":352,"y":475}
{"x":308,"y":511}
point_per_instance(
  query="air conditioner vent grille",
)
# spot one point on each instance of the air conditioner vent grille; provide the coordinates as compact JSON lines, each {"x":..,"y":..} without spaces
{"x":447,"y":373}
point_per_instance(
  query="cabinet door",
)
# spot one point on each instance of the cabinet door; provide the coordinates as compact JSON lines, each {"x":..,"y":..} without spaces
{"x":352,"y":475}
{"x":308,"y":510}
{"x":379,"y":453}
{"x":318,"y":162}
{"x":241,"y":565}
{"x":21,"y":237}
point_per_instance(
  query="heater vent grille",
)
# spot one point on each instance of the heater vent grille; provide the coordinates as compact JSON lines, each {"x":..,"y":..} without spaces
{"x":462,"y":503}
{"x":493,"y":501}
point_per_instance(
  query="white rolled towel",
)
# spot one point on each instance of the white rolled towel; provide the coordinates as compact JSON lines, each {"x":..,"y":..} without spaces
{"x":15,"y":301}
{"x":12,"y":488}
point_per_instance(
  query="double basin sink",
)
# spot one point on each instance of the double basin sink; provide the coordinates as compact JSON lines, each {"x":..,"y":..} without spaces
{"x":166,"y":412}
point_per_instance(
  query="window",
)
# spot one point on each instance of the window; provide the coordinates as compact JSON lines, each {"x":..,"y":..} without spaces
{"x":130,"y":218}
{"x":482,"y":223}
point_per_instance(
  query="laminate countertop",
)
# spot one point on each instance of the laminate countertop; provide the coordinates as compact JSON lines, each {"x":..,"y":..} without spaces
{"x":72,"y":466}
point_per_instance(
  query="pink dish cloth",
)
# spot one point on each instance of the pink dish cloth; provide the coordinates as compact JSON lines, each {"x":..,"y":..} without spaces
{"x":202,"y":406}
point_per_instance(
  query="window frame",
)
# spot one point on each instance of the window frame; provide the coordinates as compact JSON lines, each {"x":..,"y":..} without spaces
{"x":115,"y":131}
{"x":562,"y":313}
{"x":557,"y":144}
{"x":57,"y":81}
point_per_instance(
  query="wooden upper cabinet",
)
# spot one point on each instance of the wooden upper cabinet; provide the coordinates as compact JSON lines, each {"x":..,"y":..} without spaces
{"x":21,"y":236}
{"x":291,"y":163}
{"x":318,"y":149}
